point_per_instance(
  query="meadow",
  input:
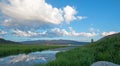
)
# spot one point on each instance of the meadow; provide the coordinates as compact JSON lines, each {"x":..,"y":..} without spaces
{"x":105,"y":49}
{"x":13,"y":49}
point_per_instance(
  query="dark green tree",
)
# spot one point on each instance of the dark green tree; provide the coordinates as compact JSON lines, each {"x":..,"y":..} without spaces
{"x":92,"y":40}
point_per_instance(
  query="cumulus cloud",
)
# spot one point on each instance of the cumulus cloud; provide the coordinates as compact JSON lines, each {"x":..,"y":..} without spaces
{"x":7,"y":22}
{"x":2,"y":32}
{"x":33,"y":10}
{"x":60,"y":32}
{"x":84,"y":34}
{"x":70,"y":13}
{"x":36,"y":12}
{"x":21,"y":33}
{"x":55,"y":32}
{"x":108,"y":33}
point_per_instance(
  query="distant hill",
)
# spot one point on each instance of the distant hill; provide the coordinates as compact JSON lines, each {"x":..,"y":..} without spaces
{"x":110,"y":38}
{"x":3,"y":41}
{"x":61,"y":42}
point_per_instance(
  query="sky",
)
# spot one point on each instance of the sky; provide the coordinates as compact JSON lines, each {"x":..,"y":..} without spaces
{"x":79,"y":20}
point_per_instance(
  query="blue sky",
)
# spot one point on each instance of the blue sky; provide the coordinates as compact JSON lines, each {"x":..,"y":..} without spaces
{"x":78,"y":20}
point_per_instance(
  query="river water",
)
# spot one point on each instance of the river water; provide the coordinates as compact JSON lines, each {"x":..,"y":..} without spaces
{"x":32,"y":58}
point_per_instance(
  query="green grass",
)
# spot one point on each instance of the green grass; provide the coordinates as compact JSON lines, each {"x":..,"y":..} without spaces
{"x":106,"y":49}
{"x":12,"y":49}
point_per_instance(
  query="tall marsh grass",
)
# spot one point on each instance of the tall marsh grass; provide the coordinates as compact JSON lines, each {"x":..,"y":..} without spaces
{"x":106,"y":49}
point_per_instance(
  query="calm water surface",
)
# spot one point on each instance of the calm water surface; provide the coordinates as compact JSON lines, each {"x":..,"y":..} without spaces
{"x":32,"y":58}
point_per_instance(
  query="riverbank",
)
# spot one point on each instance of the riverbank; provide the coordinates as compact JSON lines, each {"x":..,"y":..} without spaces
{"x":13,"y":49}
{"x":85,"y":56}
{"x":33,"y":58}
{"x":105,"y":49}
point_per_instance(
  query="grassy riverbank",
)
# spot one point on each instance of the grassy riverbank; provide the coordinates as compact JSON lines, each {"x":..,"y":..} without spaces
{"x":105,"y":49}
{"x":12,"y":49}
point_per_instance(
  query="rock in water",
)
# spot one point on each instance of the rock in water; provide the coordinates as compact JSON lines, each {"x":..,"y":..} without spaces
{"x":104,"y":63}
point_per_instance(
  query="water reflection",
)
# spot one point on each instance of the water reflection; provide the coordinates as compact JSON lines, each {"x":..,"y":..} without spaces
{"x":32,"y":58}
{"x":28,"y":60}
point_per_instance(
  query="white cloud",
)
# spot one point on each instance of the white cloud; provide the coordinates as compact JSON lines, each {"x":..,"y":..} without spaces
{"x":88,"y":34}
{"x":7,"y":22}
{"x":61,"y":32}
{"x":81,"y":17}
{"x":70,"y":13}
{"x":21,"y":33}
{"x":84,"y":34}
{"x":108,"y":33}
{"x":32,"y":12}
{"x":2,"y":32}
{"x":55,"y":32}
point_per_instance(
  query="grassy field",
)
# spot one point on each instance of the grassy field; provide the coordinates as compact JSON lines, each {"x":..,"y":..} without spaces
{"x":106,"y":49}
{"x":12,"y":49}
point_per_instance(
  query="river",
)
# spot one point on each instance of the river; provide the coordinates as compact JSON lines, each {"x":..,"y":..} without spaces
{"x":38,"y":57}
